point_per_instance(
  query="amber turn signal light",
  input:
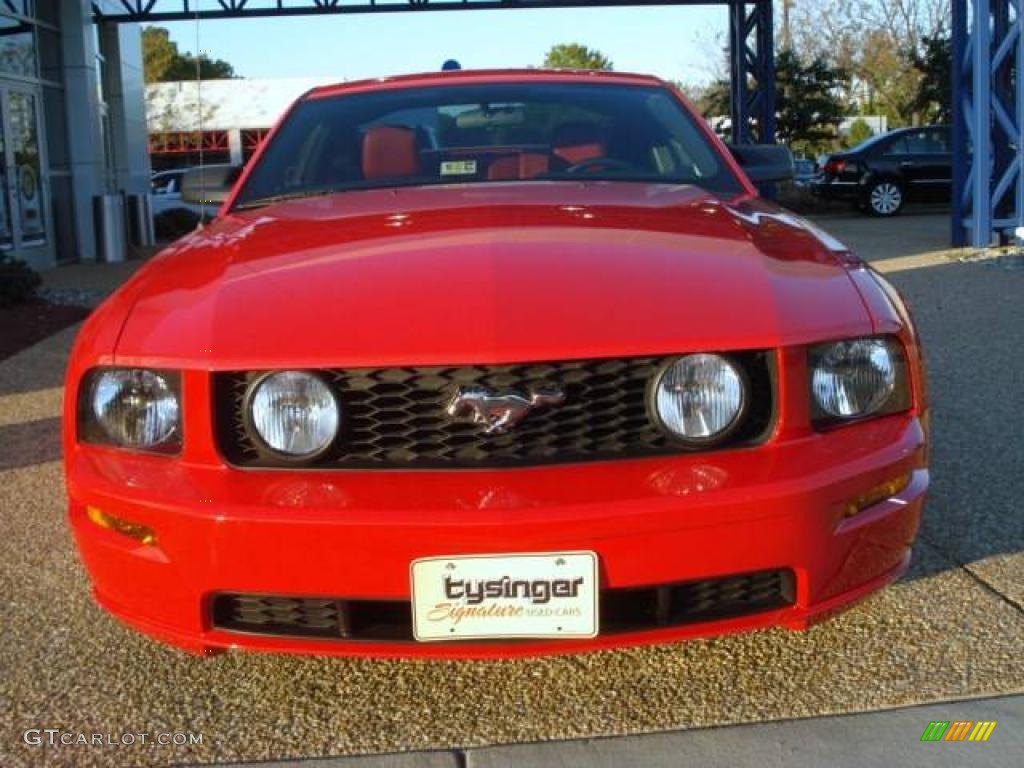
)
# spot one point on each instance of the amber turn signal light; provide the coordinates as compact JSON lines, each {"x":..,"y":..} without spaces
{"x":880,"y":492}
{"x":135,"y":531}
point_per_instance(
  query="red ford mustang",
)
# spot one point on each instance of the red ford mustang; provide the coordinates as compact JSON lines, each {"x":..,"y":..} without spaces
{"x":487,"y":364}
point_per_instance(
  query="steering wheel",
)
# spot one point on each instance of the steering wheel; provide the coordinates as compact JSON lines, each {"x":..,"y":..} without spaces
{"x":600,"y":162}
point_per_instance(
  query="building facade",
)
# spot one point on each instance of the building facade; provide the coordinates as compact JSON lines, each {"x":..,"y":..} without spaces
{"x":224,"y":120}
{"x":72,"y":126}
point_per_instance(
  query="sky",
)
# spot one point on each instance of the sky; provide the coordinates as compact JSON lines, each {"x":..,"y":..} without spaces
{"x":679,"y":43}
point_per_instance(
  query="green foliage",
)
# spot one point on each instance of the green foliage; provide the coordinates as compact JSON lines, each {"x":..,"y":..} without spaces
{"x":18,"y":281}
{"x":162,"y":62}
{"x":877,"y":41}
{"x":934,"y":98}
{"x":711,"y":100}
{"x":158,"y":53}
{"x":888,"y":82}
{"x":184,"y":68}
{"x":575,"y":56}
{"x":808,"y":102}
{"x":859,"y":131}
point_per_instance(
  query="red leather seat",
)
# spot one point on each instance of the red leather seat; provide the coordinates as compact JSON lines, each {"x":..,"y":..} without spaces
{"x":576,"y":142}
{"x":526,"y":165}
{"x":390,"y":151}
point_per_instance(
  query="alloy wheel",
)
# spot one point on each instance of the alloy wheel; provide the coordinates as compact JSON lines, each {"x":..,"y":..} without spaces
{"x":886,"y":198}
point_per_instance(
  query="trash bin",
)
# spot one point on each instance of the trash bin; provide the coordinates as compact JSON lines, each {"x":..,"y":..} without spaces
{"x":108,"y":214}
{"x":140,"y":219}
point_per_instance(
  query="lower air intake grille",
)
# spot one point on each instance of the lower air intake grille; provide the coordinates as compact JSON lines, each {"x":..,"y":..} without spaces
{"x":622,"y":610}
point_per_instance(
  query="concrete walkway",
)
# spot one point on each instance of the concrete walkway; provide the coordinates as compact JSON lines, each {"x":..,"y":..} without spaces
{"x":882,"y":739}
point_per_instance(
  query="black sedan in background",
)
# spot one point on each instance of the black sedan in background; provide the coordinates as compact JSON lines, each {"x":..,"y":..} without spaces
{"x":882,"y":173}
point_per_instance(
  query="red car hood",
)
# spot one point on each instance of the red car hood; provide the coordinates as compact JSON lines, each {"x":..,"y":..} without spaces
{"x":488,"y":273}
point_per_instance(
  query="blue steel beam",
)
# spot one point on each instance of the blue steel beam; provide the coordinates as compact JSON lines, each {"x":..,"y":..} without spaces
{"x":979,"y":124}
{"x":1019,"y":96}
{"x":1002,"y":102}
{"x":752,"y":72}
{"x":988,"y":120}
{"x":961,"y":109}
{"x":150,"y":11}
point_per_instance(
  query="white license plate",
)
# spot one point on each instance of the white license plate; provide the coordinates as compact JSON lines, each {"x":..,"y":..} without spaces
{"x":505,"y":596}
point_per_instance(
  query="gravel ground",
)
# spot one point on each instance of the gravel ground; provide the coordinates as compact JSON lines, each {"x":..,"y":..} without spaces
{"x":951,"y":629}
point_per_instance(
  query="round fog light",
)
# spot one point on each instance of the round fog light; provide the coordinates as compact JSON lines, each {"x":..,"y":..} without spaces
{"x":700,"y":398}
{"x":294,"y":413}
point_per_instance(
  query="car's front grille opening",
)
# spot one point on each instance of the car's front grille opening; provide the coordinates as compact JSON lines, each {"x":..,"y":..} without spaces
{"x":621,"y":610}
{"x":313,"y":617}
{"x":626,"y":610}
{"x":395,"y":418}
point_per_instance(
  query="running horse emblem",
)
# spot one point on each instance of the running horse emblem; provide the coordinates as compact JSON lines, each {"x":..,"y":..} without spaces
{"x":498,"y":413}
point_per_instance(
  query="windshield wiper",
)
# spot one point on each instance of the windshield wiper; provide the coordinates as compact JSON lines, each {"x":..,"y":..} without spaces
{"x":260,"y":202}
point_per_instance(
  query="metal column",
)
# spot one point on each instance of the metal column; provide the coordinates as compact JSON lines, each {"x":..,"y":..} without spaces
{"x":988,"y":120}
{"x":752,"y":71}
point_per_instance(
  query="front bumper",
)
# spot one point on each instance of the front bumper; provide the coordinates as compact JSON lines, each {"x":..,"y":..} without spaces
{"x":353,"y":534}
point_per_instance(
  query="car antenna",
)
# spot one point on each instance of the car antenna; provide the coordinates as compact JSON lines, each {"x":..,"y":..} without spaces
{"x":451,"y":65}
{"x":199,"y":115}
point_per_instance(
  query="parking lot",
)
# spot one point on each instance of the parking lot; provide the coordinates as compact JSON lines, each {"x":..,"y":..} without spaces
{"x":951,"y":629}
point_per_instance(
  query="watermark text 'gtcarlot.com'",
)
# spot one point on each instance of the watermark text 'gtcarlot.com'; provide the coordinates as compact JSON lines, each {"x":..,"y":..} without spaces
{"x":55,"y":737}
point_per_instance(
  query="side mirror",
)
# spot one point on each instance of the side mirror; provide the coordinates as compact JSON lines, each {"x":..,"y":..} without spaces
{"x":208,"y":184}
{"x":764,"y":163}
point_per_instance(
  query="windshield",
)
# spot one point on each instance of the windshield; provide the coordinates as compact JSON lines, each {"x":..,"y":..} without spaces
{"x":485,"y":133}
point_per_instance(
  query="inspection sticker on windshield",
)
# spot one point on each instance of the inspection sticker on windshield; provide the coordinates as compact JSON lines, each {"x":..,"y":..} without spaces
{"x":458,"y":168}
{"x":513,"y":596}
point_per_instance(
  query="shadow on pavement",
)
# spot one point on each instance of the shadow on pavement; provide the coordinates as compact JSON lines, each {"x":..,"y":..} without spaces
{"x":40,"y":367}
{"x":29,"y":443}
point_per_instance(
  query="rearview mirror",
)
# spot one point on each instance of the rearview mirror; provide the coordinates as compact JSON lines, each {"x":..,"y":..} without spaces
{"x":764,"y":162}
{"x":495,"y":117}
{"x":208,"y":184}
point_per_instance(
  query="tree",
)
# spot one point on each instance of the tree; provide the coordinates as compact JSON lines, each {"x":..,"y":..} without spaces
{"x":889,"y":82}
{"x":695,"y":93}
{"x":575,"y":56}
{"x":713,"y":100}
{"x":934,"y":98}
{"x":878,"y":42}
{"x":808,"y":103}
{"x":184,"y":68}
{"x":859,"y":131}
{"x":158,"y":53}
{"x":162,"y":62}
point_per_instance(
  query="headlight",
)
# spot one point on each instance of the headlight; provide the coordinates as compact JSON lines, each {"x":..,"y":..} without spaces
{"x":294,"y":413}
{"x":133,"y":408}
{"x":700,"y":398}
{"x":858,"y":377}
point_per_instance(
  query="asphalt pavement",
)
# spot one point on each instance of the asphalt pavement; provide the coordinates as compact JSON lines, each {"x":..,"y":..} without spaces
{"x":951,"y":629}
